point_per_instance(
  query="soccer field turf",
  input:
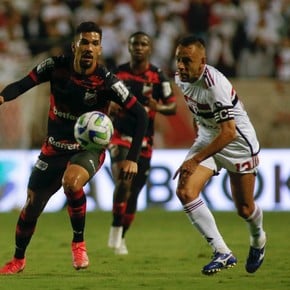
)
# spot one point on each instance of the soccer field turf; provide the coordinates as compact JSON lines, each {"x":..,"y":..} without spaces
{"x":165,"y":252}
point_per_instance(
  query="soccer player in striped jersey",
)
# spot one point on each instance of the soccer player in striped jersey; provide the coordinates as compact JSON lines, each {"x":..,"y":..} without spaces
{"x":79,"y":84}
{"x":154,"y":91}
{"x":226,"y":139}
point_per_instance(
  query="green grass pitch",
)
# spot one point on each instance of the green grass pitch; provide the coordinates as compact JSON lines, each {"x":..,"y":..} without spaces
{"x":165,"y":252}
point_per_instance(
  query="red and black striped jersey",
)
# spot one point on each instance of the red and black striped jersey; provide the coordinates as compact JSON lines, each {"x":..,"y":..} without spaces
{"x":71,"y":95}
{"x":151,"y":83}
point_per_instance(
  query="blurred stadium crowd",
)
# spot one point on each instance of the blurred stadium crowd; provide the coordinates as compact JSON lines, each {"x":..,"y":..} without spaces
{"x":245,"y":39}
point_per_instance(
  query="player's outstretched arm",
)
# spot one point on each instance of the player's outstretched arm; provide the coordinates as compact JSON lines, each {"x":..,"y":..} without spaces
{"x":15,"y":89}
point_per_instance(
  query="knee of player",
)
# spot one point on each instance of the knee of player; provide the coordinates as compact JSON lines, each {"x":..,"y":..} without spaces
{"x":72,"y":183}
{"x":185,"y":195}
{"x":74,"y":178}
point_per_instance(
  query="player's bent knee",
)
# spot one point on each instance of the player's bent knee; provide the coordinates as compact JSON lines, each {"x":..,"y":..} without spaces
{"x":72,"y":183}
{"x":74,"y":178}
{"x":184,"y":195}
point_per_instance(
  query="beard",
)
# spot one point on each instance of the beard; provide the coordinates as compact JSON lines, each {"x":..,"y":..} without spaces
{"x":86,"y":64}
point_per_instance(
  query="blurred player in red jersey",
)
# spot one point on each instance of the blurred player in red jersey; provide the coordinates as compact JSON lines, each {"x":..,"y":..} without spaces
{"x":154,"y":91}
{"x":79,"y":84}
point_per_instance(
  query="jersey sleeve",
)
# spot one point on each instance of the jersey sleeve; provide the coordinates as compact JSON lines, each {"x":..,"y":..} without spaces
{"x":40,"y":73}
{"x":120,"y":93}
{"x":166,"y":88}
{"x":127,"y":100}
{"x":15,"y":89}
{"x":222,"y":98}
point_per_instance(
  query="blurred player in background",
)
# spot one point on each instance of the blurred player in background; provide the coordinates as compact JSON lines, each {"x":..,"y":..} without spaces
{"x":226,"y":139}
{"x":154,"y":91}
{"x":79,"y":84}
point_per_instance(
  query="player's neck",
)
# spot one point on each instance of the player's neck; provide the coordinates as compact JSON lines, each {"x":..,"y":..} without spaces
{"x":139,"y":67}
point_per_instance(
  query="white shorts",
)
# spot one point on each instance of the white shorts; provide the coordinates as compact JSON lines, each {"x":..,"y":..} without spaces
{"x":237,"y":160}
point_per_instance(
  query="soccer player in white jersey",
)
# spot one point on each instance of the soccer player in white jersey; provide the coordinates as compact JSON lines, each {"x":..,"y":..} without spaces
{"x":226,"y":139}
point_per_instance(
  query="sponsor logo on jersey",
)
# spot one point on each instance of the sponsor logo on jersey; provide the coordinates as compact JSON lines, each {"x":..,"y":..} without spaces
{"x":121,"y":90}
{"x":62,"y":145}
{"x":64,"y":115}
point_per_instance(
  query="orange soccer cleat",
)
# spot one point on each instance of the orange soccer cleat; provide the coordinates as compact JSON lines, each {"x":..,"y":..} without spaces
{"x":79,"y":255}
{"x":13,"y":267}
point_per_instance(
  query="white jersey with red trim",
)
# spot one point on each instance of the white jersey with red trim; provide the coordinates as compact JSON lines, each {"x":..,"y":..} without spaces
{"x":212,"y":100}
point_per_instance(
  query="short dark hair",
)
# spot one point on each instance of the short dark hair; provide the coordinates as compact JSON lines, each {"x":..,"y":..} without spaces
{"x":89,"y":26}
{"x":191,"y":39}
{"x":139,"y":33}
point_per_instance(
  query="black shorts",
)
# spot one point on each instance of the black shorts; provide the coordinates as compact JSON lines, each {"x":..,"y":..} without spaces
{"x":48,"y":171}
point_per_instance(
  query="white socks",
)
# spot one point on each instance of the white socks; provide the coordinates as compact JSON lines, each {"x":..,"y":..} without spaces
{"x":255,"y":226}
{"x":201,"y":217}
